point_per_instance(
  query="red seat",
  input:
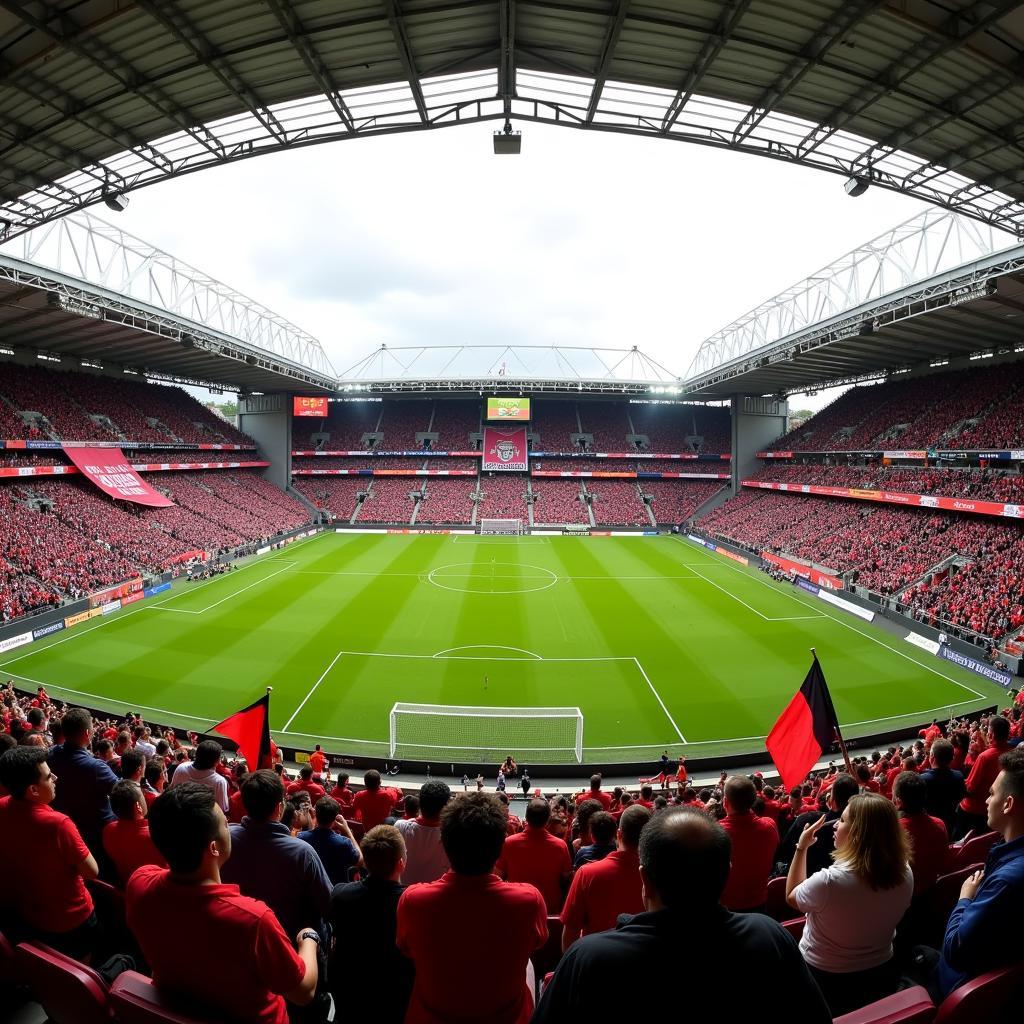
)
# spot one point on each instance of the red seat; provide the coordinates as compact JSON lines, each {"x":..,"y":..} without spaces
{"x":795,"y":927}
{"x":985,"y":998}
{"x":70,"y":992}
{"x":911,"y":1006}
{"x":137,"y":1000}
{"x":937,"y":904}
{"x":776,"y":905}
{"x":974,"y":851}
{"x":545,"y":959}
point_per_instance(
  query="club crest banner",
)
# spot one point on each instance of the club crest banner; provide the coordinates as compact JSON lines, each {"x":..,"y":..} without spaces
{"x":504,"y":450}
{"x":110,"y":471}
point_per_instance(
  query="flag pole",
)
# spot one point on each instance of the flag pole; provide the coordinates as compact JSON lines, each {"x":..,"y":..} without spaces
{"x":835,"y":723}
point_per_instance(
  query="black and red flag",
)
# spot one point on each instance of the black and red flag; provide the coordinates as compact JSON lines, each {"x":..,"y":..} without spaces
{"x":805,"y":730}
{"x":250,"y":729}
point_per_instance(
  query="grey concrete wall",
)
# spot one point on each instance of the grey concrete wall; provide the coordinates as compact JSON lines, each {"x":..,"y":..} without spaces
{"x":267,"y":419}
{"x":756,"y":422}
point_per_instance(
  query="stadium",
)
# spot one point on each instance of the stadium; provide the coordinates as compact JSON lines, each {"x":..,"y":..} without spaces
{"x":439,"y":557}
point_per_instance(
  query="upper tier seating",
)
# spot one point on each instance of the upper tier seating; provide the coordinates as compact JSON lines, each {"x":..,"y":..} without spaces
{"x":454,"y":421}
{"x":558,"y":501}
{"x":448,"y":500}
{"x":346,"y":422}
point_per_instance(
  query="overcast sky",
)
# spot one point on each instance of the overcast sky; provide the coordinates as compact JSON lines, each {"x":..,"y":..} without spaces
{"x":587,"y":238}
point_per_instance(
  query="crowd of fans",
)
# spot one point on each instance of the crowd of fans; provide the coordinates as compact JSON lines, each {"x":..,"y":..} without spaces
{"x":559,"y":501}
{"x":618,"y":503}
{"x":969,"y":409}
{"x":447,"y":500}
{"x":504,"y":496}
{"x":888,"y":549}
{"x":675,"y":501}
{"x":337,"y":495}
{"x":290,"y":874}
{"x":90,"y":407}
{"x":388,"y":499}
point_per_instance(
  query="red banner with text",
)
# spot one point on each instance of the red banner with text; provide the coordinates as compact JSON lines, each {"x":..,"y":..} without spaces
{"x":504,"y":450}
{"x":110,"y":471}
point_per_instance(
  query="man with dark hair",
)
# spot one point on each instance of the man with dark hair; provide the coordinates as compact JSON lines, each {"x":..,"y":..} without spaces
{"x":842,"y":791}
{"x":945,"y":785}
{"x":929,"y":840}
{"x":603,"y":828}
{"x":979,"y":934}
{"x":601,"y":891}
{"x":425,"y":858}
{"x":270,"y":864}
{"x":204,"y":939}
{"x":343,"y":794}
{"x":154,"y":779}
{"x":971,"y":814}
{"x":133,"y":766}
{"x":373,"y":804}
{"x":337,"y":852}
{"x":684,"y":864}
{"x":536,"y":856}
{"x":595,"y":793}
{"x":44,"y":863}
{"x":363,"y":915}
{"x":646,"y":796}
{"x":470,"y":909}
{"x":127,"y":841}
{"x":306,"y":784}
{"x":86,"y":781}
{"x":754,"y":842}
{"x":203,"y":769}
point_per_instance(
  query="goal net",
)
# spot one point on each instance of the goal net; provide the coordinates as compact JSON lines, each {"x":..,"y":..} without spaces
{"x":501,"y":526}
{"x":426,"y":732}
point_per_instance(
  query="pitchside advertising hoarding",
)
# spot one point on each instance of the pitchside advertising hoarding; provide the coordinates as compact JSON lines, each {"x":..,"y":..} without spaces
{"x":302,"y":406}
{"x":504,"y":450}
{"x":517,"y":409}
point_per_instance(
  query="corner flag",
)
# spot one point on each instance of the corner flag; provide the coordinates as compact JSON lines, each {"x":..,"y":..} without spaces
{"x":805,"y":730}
{"x":250,"y":729}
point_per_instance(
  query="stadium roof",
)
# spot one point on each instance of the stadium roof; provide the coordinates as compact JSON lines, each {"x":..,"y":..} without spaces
{"x":98,"y":97}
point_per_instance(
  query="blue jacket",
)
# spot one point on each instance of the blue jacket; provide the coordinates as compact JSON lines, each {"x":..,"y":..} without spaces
{"x":84,"y":783}
{"x":980,"y":933}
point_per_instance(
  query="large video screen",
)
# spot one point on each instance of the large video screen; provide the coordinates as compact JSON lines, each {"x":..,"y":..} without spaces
{"x":309,"y":406}
{"x":506,"y":409}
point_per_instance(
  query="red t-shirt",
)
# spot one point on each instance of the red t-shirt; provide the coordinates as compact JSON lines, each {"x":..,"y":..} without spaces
{"x":184,"y":931}
{"x":536,"y":856}
{"x":601,"y":891}
{"x":317,"y":761}
{"x":129,"y":846}
{"x":754,"y":841}
{"x":372,"y":807}
{"x":40,"y":854}
{"x":979,"y":782}
{"x":344,"y":796}
{"x":603,"y":798}
{"x":314,"y":789}
{"x":930,"y":848}
{"x":453,"y":930}
{"x":236,"y":809}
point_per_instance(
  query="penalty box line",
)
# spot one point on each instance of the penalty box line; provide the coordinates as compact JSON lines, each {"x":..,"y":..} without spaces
{"x":443,"y":655}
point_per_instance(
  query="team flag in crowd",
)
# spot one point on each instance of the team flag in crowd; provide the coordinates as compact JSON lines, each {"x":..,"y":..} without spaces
{"x":250,"y":729}
{"x":805,"y":730}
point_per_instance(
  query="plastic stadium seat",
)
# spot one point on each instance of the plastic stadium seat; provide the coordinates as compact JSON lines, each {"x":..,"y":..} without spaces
{"x":795,"y":927}
{"x":985,"y":998}
{"x":70,"y":992}
{"x":356,"y":828}
{"x":911,"y":1006}
{"x":546,"y":958}
{"x":776,"y":905}
{"x":974,"y":851}
{"x":137,"y":1000}
{"x":938,"y":903}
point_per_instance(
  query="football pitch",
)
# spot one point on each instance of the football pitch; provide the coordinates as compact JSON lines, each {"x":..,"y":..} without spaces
{"x":660,"y":643}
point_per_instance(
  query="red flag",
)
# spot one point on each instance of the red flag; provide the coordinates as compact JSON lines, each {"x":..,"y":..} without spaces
{"x":250,"y":729}
{"x":805,"y":730}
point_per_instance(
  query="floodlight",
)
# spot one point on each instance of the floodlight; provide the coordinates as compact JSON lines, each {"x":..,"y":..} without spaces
{"x":856,"y":186}
{"x":116,"y":201}
{"x":507,"y":142}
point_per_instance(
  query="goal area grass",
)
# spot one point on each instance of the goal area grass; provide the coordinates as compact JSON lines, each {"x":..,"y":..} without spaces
{"x":661,"y":644}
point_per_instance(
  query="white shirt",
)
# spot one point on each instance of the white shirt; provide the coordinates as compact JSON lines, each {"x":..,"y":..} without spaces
{"x":188,"y":772}
{"x":145,"y":747}
{"x":426,"y":860}
{"x":850,"y":926}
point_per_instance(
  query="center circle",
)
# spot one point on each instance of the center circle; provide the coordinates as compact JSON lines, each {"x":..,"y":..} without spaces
{"x":471,"y":578}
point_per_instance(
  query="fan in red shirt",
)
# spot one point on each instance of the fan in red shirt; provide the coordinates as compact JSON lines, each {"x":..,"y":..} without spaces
{"x":318,"y":761}
{"x":43,"y":859}
{"x":606,"y":888}
{"x":127,"y":841}
{"x":374,"y":804}
{"x":307,"y":785}
{"x":343,"y":795}
{"x":928,"y":836}
{"x":469,"y":909}
{"x":185,"y":919}
{"x":537,"y":857}
{"x":595,"y":793}
{"x":971,"y":813}
{"x":754,"y":841}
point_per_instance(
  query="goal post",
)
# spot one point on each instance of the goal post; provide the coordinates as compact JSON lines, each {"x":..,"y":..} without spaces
{"x":507,"y":527}
{"x":426,"y":732}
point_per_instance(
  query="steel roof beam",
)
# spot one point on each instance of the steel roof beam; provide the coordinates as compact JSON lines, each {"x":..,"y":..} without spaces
{"x":405,"y":56}
{"x":953,"y":33}
{"x":611,"y":41}
{"x":507,"y":56}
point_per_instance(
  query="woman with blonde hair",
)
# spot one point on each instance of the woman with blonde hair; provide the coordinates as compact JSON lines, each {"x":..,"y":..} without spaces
{"x":854,"y":905}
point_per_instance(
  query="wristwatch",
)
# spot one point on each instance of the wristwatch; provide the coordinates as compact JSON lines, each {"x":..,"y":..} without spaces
{"x":310,"y":934}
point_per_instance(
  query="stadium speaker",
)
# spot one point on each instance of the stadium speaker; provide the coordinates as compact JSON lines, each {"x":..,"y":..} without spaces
{"x":856,"y":186}
{"x":508,"y":142}
{"x":116,"y":201}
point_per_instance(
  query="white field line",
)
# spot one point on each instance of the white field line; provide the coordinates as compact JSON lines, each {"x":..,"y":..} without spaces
{"x":477,"y":575}
{"x":486,"y":647}
{"x":873,"y":639}
{"x":429,"y":657}
{"x":312,"y":690}
{"x":210,"y":607}
{"x":657,"y":697}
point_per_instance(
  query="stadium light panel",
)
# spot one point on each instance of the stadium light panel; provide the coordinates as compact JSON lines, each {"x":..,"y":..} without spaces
{"x":856,"y":186}
{"x":508,"y":142}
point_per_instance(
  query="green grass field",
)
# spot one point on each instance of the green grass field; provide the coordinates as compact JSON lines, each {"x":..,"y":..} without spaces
{"x":659,"y":642}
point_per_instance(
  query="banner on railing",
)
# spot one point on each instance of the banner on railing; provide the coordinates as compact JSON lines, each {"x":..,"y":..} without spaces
{"x":822,"y":579}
